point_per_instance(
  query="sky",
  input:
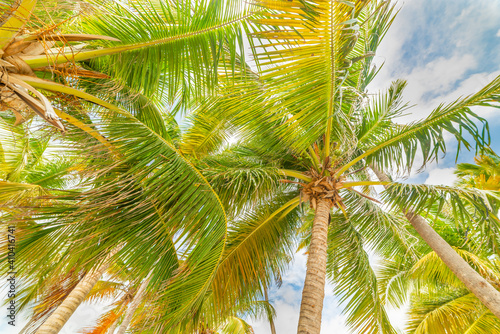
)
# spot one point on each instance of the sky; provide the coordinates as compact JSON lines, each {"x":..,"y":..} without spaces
{"x":444,"y":49}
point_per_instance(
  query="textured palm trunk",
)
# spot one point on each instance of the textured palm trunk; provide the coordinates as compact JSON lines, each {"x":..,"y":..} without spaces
{"x":64,"y":311}
{"x":139,"y":296}
{"x":271,"y":321}
{"x":273,"y":328}
{"x":314,"y":285}
{"x":483,"y":290}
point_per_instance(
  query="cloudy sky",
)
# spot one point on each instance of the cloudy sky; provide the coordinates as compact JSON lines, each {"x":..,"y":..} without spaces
{"x":444,"y":49}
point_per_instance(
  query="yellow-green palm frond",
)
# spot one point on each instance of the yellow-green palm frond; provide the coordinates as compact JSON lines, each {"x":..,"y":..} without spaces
{"x":355,"y":282}
{"x":319,"y":64}
{"x":235,"y":325}
{"x":171,"y":45}
{"x":259,"y":248}
{"x":430,"y":268}
{"x":486,"y":323}
{"x":241,"y":178}
{"x":485,"y":174}
{"x":452,"y":312}
{"x":103,"y":290}
{"x":397,"y":148}
{"x":13,"y":193}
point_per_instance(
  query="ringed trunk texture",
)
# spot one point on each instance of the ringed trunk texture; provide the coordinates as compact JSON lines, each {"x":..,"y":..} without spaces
{"x":314,"y":285}
{"x":64,"y":311}
{"x":476,"y":284}
{"x":139,"y":296}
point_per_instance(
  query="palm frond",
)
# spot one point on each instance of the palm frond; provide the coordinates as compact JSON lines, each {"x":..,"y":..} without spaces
{"x":355,"y":282}
{"x":236,"y":325}
{"x":426,"y":135}
{"x":486,"y":323}
{"x":259,"y":248}
{"x":452,"y":312}
{"x":171,"y":45}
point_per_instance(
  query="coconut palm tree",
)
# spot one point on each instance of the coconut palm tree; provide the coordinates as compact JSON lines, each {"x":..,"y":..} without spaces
{"x":440,"y":303}
{"x":310,"y":135}
{"x":167,"y":51}
{"x":186,"y":45}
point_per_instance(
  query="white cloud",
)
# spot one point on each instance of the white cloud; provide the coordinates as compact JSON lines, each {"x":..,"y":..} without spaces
{"x":498,"y":33}
{"x":441,"y":176}
{"x":429,"y":83}
{"x":286,"y":302}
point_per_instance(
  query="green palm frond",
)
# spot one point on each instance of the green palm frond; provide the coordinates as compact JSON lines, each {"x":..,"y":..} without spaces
{"x":453,"y":312}
{"x":485,"y":174}
{"x":171,"y":45}
{"x":53,"y":174}
{"x":205,"y":135}
{"x":394,"y":282}
{"x":328,"y":47}
{"x":355,"y":282}
{"x":485,"y":324}
{"x":465,"y":204}
{"x":378,"y":117}
{"x":430,"y":268}
{"x":150,"y":195}
{"x":385,"y":232}
{"x":236,"y":325}
{"x":426,"y":136}
{"x":260,"y":246}
{"x":104,"y":290}
{"x":12,"y":193}
{"x":241,"y":178}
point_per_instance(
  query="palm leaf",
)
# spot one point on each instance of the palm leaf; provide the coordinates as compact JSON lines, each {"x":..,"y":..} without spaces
{"x":355,"y":282}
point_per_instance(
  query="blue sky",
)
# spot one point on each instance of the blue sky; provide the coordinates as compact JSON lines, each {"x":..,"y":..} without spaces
{"x":444,"y":49}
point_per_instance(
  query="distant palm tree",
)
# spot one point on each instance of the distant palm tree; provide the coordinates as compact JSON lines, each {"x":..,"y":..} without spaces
{"x":485,"y":174}
{"x":440,"y":303}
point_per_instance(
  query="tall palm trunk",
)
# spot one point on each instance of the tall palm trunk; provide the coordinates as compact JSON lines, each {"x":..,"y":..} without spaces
{"x":139,"y":296}
{"x":64,"y":311}
{"x":480,"y":287}
{"x":314,"y":285}
{"x":271,"y":321}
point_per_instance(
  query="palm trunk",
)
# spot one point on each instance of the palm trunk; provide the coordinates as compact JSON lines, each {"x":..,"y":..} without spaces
{"x":139,"y":296}
{"x":111,"y":329}
{"x":314,"y":285}
{"x":480,"y":287}
{"x":64,"y":311}
{"x":271,"y":321}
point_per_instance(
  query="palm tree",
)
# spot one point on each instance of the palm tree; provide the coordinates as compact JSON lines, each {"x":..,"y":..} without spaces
{"x":485,"y":174}
{"x":158,"y":39}
{"x":310,"y":136}
{"x":440,"y":303}
{"x":138,"y":299}
{"x":167,"y":35}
